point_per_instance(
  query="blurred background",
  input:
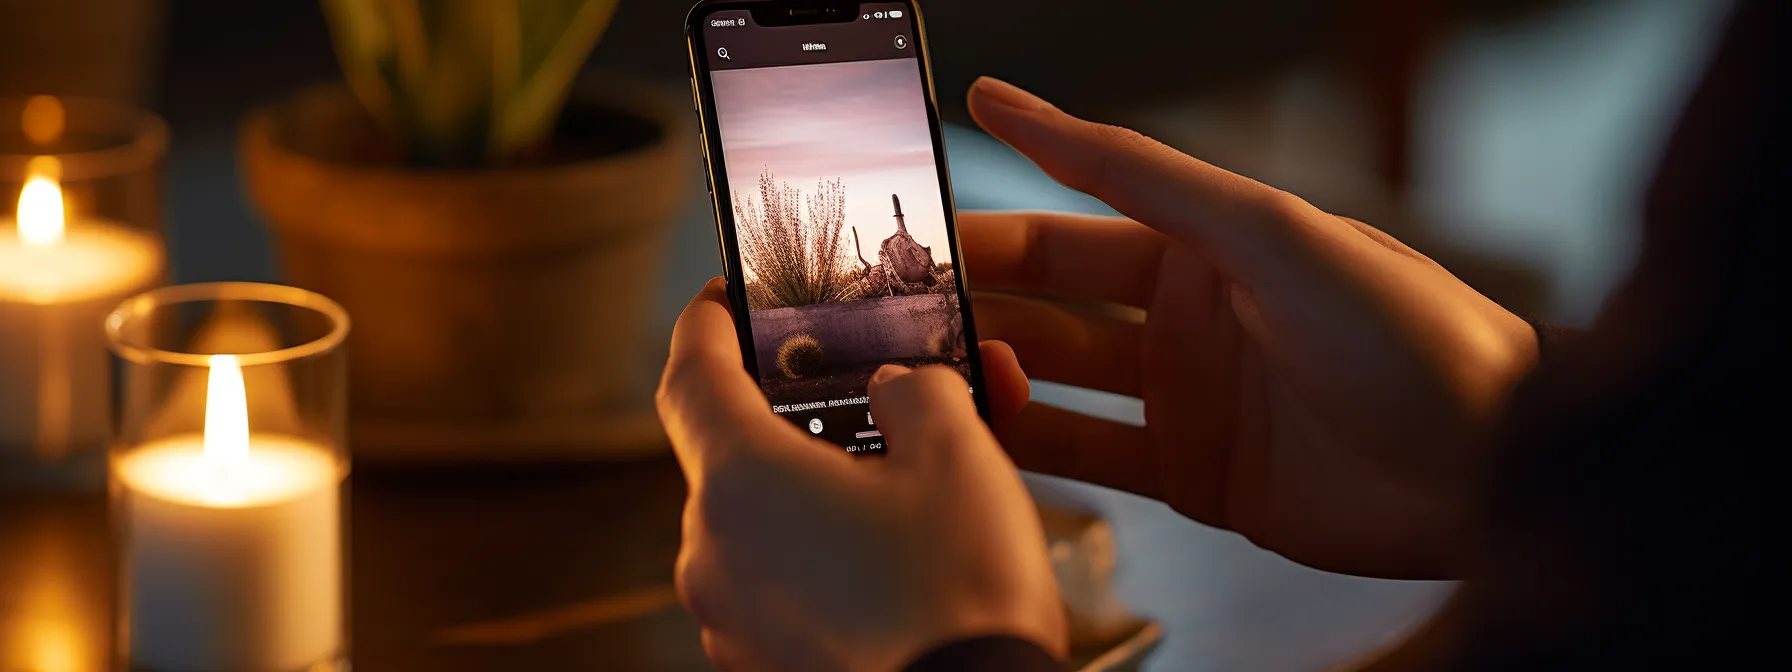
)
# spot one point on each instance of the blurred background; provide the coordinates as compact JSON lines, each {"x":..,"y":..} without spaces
{"x":1509,"y":139}
{"x":1514,"y":132}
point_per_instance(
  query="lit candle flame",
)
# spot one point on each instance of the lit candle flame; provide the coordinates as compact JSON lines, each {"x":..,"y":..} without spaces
{"x":40,"y":205}
{"x":226,"y":412}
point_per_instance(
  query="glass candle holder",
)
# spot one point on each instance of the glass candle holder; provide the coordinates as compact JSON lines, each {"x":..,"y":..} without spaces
{"x":227,"y":472}
{"x":79,"y":232}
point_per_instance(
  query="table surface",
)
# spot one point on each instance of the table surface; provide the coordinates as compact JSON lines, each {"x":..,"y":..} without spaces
{"x":569,"y":567}
{"x":545,"y":569}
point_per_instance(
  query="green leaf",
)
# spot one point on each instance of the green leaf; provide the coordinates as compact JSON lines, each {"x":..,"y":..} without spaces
{"x":460,"y":82}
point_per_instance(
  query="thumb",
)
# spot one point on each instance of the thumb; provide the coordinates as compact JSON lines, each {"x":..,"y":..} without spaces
{"x":1253,"y":233}
{"x":924,"y":411}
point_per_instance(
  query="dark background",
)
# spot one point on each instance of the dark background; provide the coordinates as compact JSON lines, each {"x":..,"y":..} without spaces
{"x":1387,"y":110}
{"x":217,"y":58}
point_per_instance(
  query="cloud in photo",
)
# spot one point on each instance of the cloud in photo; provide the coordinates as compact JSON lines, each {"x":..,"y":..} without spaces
{"x":864,"y":122}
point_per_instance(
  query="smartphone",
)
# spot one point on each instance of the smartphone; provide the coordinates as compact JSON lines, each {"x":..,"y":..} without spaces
{"x":833,"y":204}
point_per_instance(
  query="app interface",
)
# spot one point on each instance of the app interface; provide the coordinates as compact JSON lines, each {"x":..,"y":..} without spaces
{"x":838,"y":210}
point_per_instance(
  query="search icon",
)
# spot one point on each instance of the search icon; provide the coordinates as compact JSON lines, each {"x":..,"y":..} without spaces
{"x":723,"y":52}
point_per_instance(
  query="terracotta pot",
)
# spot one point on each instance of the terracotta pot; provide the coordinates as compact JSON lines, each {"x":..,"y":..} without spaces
{"x":499,"y":314}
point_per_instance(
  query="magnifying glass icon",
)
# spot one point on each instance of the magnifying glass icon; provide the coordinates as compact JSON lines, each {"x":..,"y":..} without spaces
{"x":723,"y":52}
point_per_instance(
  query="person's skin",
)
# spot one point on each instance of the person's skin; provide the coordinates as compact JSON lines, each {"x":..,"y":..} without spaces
{"x":798,"y":556}
{"x":1309,"y":383}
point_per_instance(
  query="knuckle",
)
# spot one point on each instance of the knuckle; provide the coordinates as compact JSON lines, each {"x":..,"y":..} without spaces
{"x":696,"y":588}
{"x":674,"y":377}
{"x":1282,"y":207}
{"x":939,"y":376}
{"x":924,"y":383}
{"x":722,"y":505}
{"x":669,"y":401}
{"x":1121,"y":147}
{"x":684,"y":577}
{"x":1035,"y":262}
{"x":681,"y":378}
{"x":664,"y":399}
{"x":1288,"y":219}
{"x":940,"y":387}
{"x":1121,"y":136}
{"x":720,"y":653}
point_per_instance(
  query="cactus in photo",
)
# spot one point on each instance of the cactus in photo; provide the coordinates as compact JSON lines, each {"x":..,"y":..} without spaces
{"x":465,"y":82}
{"x":800,"y":357}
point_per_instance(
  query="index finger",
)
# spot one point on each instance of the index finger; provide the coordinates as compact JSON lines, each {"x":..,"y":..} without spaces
{"x":1062,"y":255}
{"x":706,"y":399}
{"x":1254,"y":233}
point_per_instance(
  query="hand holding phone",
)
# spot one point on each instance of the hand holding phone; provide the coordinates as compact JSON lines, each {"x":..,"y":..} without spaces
{"x":799,"y":557}
{"x":833,"y":204}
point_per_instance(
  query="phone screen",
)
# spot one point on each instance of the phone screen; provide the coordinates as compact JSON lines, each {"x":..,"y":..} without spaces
{"x":833,"y":189}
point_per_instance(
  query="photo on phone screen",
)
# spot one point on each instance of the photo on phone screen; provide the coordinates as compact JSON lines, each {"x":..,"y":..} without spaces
{"x":834,"y":190}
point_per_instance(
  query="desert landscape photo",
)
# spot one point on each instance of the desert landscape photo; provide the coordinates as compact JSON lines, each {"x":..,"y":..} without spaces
{"x":841,"y":225}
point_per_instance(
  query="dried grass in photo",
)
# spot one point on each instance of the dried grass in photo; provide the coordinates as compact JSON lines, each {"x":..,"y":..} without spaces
{"x":793,"y":260}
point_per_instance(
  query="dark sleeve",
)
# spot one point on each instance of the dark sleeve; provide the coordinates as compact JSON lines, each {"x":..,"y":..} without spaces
{"x":984,"y":654}
{"x":1627,"y":524}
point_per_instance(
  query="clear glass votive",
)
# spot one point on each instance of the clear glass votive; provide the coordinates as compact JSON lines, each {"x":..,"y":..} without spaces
{"x":227,"y":469}
{"x":80,"y":231}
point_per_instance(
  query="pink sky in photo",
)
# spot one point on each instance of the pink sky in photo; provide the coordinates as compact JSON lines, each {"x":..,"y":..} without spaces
{"x":863,"y":122}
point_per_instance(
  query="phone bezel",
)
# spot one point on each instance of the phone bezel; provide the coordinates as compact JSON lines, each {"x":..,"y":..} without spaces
{"x":703,"y":101}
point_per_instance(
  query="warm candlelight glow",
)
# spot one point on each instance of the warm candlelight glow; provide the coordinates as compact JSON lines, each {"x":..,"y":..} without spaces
{"x":40,"y":209}
{"x":215,"y":467}
{"x":55,"y":628}
{"x":232,"y":546}
{"x":226,"y":437}
{"x":43,"y":119}
{"x":231,"y":512}
{"x":48,"y":256}
{"x":56,"y":647}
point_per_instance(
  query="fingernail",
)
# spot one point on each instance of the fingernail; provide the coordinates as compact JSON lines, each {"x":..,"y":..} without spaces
{"x":1009,"y":95}
{"x":888,"y":372}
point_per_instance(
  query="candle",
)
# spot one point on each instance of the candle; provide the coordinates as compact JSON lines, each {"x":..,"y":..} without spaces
{"x":232,"y":551}
{"x":57,"y":281}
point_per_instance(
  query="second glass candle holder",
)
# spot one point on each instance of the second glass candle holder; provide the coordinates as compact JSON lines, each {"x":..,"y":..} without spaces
{"x":79,"y":232}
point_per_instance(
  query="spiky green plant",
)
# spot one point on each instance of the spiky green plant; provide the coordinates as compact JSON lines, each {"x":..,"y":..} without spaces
{"x":465,"y":82}
{"x":800,"y":357}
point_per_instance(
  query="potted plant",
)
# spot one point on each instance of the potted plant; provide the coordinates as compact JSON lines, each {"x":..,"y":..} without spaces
{"x":492,"y":222}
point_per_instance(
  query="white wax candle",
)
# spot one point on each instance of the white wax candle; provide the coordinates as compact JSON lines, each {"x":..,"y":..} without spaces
{"x":54,"y":296}
{"x":233,"y":559}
